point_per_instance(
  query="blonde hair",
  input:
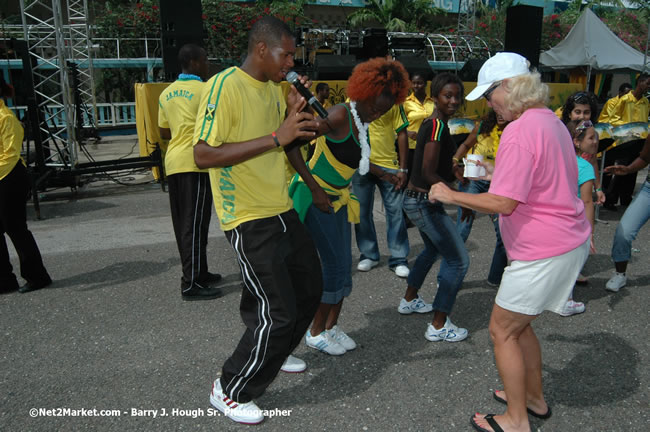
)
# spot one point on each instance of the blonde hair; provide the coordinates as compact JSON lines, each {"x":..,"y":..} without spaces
{"x":525,"y":91}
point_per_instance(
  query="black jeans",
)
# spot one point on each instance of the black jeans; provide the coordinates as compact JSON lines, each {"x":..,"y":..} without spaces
{"x":13,"y":221}
{"x":282,"y":289}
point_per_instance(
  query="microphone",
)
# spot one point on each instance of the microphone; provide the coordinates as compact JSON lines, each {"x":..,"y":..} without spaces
{"x":293,"y":78}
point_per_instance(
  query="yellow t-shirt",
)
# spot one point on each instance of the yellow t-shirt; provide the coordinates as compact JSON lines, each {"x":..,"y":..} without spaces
{"x":488,"y":144}
{"x":630,"y":109}
{"x":608,"y":109}
{"x":382,"y":133}
{"x":178,"y":107}
{"x":416,"y":113}
{"x":11,"y":140}
{"x":234,"y":108}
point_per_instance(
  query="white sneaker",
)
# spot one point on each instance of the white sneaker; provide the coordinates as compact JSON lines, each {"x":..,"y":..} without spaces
{"x":293,"y":365}
{"x":572,"y":308}
{"x":343,"y":339}
{"x":367,"y":265}
{"x":416,"y":305}
{"x":246,"y":413}
{"x":617,"y":282}
{"x":401,"y":271}
{"x":449,"y":333}
{"x":325,"y":343}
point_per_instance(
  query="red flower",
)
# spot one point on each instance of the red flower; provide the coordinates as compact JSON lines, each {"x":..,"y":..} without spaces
{"x":120,"y":23}
{"x":494,"y":17}
{"x":204,"y":17}
{"x":554,"y":17}
{"x":139,"y":5}
{"x":267,"y":10}
{"x":154,"y":7}
{"x":214,"y":27}
{"x":483,"y":25}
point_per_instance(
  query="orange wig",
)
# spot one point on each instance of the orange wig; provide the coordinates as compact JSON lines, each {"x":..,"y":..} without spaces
{"x":374,"y":77}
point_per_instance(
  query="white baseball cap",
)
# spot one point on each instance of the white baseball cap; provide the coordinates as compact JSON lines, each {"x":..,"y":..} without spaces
{"x":498,"y":67}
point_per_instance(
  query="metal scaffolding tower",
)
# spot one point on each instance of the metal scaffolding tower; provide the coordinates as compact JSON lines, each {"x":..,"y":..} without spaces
{"x":63,"y":78}
{"x":468,"y":45}
{"x":80,"y":61}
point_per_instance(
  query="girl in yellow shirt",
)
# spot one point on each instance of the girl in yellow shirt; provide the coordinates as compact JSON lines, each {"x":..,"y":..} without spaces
{"x":14,"y":188}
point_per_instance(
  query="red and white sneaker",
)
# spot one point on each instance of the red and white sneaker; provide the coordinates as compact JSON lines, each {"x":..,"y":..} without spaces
{"x":246,"y":413}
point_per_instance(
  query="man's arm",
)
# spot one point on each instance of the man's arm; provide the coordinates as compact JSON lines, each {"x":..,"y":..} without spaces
{"x":638,"y":164}
{"x":165,"y":133}
{"x":295,"y":126}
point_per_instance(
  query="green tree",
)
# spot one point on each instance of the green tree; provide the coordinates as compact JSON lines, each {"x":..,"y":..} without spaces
{"x":396,"y":15}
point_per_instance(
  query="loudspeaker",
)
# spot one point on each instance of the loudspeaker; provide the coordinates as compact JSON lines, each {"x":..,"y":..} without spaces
{"x":524,"y":32}
{"x":334,"y":67}
{"x":418,"y":65}
{"x":180,"y":24}
{"x":470,"y":69}
{"x":375,"y":43}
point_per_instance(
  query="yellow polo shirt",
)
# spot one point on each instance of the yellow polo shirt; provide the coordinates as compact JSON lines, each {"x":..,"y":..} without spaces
{"x":416,"y":112}
{"x":11,"y":140}
{"x":608,"y":110}
{"x":178,"y":105}
{"x":382,"y":133}
{"x":234,"y":108}
{"x":630,"y":109}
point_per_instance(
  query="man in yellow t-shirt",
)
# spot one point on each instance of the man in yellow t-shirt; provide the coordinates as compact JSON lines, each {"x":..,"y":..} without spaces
{"x":418,"y":106}
{"x":631,"y":107}
{"x":14,"y":187}
{"x":190,"y":197}
{"x":240,"y":135}
{"x":323,"y":94}
{"x":608,"y":108}
{"x":382,"y":134}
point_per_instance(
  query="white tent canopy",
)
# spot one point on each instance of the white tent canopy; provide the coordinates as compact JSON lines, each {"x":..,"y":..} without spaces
{"x":591,"y":43}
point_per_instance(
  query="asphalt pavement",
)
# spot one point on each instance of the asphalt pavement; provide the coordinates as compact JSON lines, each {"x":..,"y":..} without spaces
{"x":112,"y":333}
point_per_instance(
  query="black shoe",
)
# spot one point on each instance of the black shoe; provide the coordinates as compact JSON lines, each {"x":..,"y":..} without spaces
{"x":8,"y":286}
{"x":33,"y":286}
{"x":198,"y":292}
{"x":210,"y":278}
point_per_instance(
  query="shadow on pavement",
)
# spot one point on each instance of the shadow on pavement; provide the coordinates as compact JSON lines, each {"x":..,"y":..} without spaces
{"x":117,"y":273}
{"x":604,"y":371}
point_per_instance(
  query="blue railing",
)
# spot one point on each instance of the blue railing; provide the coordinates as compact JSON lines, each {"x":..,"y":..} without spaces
{"x":108,"y":114}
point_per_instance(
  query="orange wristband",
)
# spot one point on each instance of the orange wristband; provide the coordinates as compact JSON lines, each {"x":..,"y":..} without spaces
{"x":275,"y":139}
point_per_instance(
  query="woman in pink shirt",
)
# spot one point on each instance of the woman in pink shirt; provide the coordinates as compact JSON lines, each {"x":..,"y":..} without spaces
{"x":543,"y":225}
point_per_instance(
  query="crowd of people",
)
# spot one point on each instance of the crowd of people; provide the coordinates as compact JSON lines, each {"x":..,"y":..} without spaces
{"x":233,"y":136}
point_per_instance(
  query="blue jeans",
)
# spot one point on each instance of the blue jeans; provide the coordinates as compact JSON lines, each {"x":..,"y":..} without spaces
{"x":397,"y":237}
{"x":439,"y":234}
{"x":332,"y":236}
{"x":499,"y":257}
{"x":636,"y":215}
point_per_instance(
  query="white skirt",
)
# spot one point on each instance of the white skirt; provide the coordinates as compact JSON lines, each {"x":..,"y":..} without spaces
{"x":531,"y":287}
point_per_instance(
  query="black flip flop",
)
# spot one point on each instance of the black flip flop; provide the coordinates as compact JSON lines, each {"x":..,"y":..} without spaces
{"x":490,"y":419}
{"x":530,"y":411}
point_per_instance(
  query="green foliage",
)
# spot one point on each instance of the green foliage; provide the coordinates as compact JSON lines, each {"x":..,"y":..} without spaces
{"x":630,"y":26}
{"x":396,"y":15}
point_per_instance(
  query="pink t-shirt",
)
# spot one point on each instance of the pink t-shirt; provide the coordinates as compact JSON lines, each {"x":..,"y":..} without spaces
{"x":536,"y":165}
